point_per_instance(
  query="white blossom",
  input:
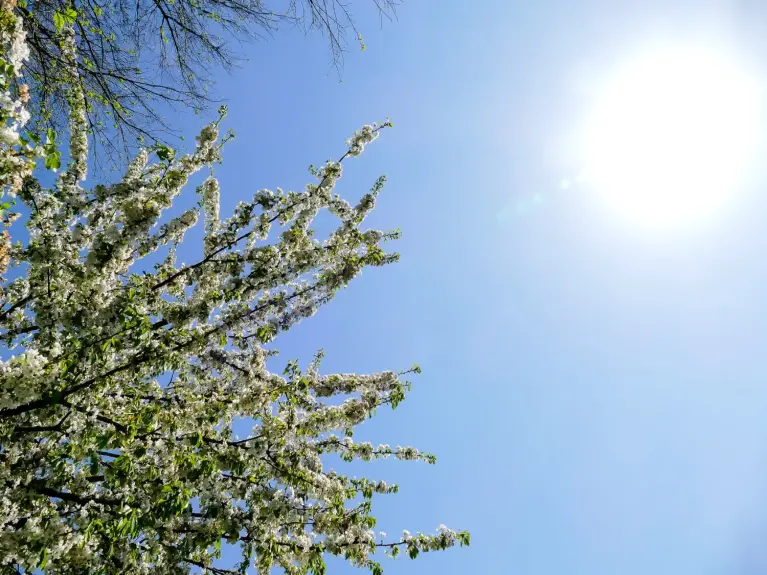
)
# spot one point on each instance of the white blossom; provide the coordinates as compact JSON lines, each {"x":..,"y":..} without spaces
{"x":9,"y":135}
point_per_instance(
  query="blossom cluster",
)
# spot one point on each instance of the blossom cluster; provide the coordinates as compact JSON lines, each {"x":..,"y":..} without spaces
{"x":363,"y":137}
{"x":118,"y":407}
{"x":78,"y":141}
{"x":15,"y":155}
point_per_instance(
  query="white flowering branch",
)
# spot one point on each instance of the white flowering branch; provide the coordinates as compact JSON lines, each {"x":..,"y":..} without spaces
{"x":108,"y":467}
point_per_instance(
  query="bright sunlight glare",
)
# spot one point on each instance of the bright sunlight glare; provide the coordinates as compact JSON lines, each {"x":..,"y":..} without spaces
{"x":672,"y":135}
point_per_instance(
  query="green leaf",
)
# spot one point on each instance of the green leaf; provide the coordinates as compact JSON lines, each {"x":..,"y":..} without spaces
{"x":317,"y":564}
{"x":103,"y":440}
{"x":264,"y":333}
{"x":61,"y":19}
{"x":165,"y":153}
{"x":58,"y":20}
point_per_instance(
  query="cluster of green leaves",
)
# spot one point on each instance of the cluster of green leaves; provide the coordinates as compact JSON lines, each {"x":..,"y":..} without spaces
{"x":64,"y":16}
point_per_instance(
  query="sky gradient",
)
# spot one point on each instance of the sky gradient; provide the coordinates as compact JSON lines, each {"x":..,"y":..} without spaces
{"x":595,"y":393}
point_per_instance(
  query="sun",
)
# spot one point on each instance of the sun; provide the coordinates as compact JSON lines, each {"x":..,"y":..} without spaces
{"x":672,"y":135}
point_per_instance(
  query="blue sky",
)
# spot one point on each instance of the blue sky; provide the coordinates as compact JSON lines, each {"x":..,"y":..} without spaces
{"x":595,"y":393}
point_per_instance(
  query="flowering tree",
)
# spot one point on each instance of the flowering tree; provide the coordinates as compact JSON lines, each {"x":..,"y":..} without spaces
{"x":117,"y":450}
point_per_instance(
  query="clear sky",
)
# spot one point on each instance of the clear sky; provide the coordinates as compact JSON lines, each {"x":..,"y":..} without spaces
{"x":596,"y":393}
